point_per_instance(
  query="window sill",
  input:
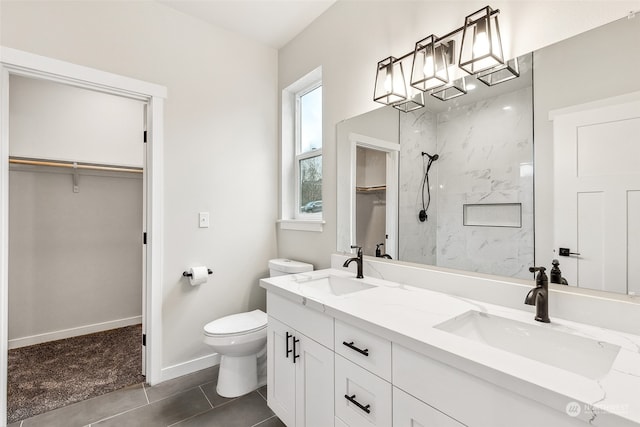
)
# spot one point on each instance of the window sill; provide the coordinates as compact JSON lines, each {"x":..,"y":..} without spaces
{"x":302,"y":224}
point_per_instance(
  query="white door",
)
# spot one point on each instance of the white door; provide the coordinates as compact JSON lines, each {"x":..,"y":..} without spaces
{"x":281,"y":373}
{"x":314,"y":384}
{"x":597,"y":194}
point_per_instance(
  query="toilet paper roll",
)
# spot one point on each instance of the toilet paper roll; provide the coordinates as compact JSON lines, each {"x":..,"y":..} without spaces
{"x":199,"y":275}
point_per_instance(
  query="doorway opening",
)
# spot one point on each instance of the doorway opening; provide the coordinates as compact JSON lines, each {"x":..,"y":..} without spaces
{"x":17,"y":63}
{"x":76,"y":224}
{"x":374,"y":195}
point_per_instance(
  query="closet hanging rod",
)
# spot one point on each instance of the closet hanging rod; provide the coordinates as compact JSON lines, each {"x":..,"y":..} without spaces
{"x":72,"y":165}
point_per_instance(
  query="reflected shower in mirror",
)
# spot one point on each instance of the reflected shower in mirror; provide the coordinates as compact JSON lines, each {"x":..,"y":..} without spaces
{"x":484,"y":143}
{"x":484,"y":147}
{"x":481,"y":213}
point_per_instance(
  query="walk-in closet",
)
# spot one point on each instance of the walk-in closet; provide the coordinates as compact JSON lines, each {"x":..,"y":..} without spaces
{"x":371,"y":200}
{"x":76,"y":212}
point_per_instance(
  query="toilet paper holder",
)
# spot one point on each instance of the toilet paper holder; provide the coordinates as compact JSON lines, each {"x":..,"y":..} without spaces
{"x":187,"y":274}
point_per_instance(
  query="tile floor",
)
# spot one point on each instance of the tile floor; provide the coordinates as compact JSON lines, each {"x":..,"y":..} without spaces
{"x":190,"y":400}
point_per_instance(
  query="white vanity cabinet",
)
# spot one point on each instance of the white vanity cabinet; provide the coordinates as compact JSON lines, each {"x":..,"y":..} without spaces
{"x":300,"y":364}
{"x":411,"y":412}
{"x":362,"y":376}
{"x":326,"y":372}
{"x":469,"y":399}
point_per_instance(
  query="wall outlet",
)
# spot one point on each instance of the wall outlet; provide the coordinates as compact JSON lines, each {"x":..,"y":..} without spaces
{"x":203,"y":219}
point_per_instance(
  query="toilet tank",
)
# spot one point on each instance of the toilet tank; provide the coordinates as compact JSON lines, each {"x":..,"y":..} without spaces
{"x":282,"y":266}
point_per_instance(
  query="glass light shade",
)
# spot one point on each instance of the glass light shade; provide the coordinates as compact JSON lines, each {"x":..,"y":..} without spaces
{"x":413,"y":103}
{"x":501,"y":73}
{"x":452,"y":90}
{"x":481,"y":47}
{"x":429,"y":69}
{"x":390,"y":84}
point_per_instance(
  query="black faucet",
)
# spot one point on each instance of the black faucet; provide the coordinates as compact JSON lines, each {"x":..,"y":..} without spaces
{"x":358,"y":260}
{"x":555,"y":275}
{"x":539,"y":296}
{"x":379,"y":253}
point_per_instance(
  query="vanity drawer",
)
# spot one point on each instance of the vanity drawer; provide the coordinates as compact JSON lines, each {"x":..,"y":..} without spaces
{"x":367,"y":350}
{"x":307,"y":321}
{"x":410,"y":412}
{"x":470,"y":400}
{"x":361,"y":398}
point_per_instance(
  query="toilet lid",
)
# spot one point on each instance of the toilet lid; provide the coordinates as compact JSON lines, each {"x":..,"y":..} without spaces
{"x":240,"y":323}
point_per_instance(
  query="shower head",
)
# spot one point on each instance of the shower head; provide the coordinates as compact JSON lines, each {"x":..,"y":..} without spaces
{"x":434,"y":157}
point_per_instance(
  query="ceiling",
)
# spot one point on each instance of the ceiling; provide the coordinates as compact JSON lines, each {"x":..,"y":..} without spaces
{"x":270,"y":22}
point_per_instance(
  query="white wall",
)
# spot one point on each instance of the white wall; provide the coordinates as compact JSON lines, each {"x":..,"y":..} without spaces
{"x":75,"y":259}
{"x":61,"y":122}
{"x":220,"y":143}
{"x":351,"y":37}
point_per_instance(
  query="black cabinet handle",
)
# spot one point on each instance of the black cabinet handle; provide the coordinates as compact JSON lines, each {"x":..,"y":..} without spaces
{"x":288,"y":349}
{"x":353,"y":347}
{"x":353,"y":400}
{"x":295,"y":356}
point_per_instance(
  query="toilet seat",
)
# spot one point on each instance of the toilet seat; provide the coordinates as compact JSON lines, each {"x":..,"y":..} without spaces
{"x":237,"y":324}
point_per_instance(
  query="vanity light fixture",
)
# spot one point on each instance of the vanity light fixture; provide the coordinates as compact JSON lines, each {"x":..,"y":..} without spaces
{"x":481,"y":46}
{"x":501,"y":73}
{"x":480,"y":51}
{"x":452,"y":90}
{"x":390,"y":85}
{"x":416,"y":101}
{"x":431,"y":60}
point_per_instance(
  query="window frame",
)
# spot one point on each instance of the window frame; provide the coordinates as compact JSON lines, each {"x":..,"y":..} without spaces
{"x":300,"y":156}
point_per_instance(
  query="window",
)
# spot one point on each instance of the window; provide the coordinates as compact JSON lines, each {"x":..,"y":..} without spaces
{"x":308,"y":161}
{"x":301,"y":177}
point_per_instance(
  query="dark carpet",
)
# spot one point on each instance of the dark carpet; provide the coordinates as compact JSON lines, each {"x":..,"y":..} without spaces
{"x":47,"y":376}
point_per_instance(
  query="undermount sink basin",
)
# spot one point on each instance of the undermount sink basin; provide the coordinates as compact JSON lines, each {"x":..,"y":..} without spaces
{"x":335,"y":285}
{"x":584,"y":356}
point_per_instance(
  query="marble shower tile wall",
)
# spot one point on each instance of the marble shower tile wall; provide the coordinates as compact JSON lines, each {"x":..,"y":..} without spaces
{"x":486,"y":151}
{"x":417,"y":240}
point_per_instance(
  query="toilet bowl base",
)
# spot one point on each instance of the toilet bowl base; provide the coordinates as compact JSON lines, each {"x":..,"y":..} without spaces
{"x":238,"y":375}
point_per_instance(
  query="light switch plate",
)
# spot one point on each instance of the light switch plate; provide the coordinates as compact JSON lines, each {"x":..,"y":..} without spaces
{"x":203,"y":219}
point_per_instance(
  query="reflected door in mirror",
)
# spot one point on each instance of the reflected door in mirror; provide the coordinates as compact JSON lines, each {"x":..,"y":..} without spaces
{"x":597,"y":194}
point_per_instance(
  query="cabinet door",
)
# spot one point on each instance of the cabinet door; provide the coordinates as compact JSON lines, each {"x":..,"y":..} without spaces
{"x":281,"y":373}
{"x":410,"y":412}
{"x":362,"y":399}
{"x":314,"y":384}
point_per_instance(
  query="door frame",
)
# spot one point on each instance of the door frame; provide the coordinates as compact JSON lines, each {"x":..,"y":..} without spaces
{"x":16,"y":62}
{"x":392,"y":151}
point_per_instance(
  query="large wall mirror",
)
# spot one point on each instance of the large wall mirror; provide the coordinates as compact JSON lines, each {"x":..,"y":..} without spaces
{"x":469,"y":168}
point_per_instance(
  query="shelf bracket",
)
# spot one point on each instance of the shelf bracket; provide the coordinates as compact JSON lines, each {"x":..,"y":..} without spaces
{"x":76,"y":187}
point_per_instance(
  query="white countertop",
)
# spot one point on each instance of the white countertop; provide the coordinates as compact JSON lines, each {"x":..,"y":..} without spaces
{"x":406,"y":315}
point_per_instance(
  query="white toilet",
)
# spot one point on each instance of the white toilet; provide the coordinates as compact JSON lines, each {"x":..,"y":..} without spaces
{"x":241,"y":341}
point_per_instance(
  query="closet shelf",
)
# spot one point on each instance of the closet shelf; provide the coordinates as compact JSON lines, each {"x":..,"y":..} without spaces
{"x":73,"y":165}
{"x":371,"y":188}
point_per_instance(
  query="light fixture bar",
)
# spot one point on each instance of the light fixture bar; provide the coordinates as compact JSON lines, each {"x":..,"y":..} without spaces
{"x":480,"y":50}
{"x":448,"y":35}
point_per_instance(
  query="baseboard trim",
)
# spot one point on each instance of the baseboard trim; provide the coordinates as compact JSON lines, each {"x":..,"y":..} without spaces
{"x":189,"y":367}
{"x":73,"y":332}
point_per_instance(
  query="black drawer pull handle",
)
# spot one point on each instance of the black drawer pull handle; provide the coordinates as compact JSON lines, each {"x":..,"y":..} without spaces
{"x":353,"y":347}
{"x":353,"y":400}
{"x":295,"y":356}
{"x":288,"y":349}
